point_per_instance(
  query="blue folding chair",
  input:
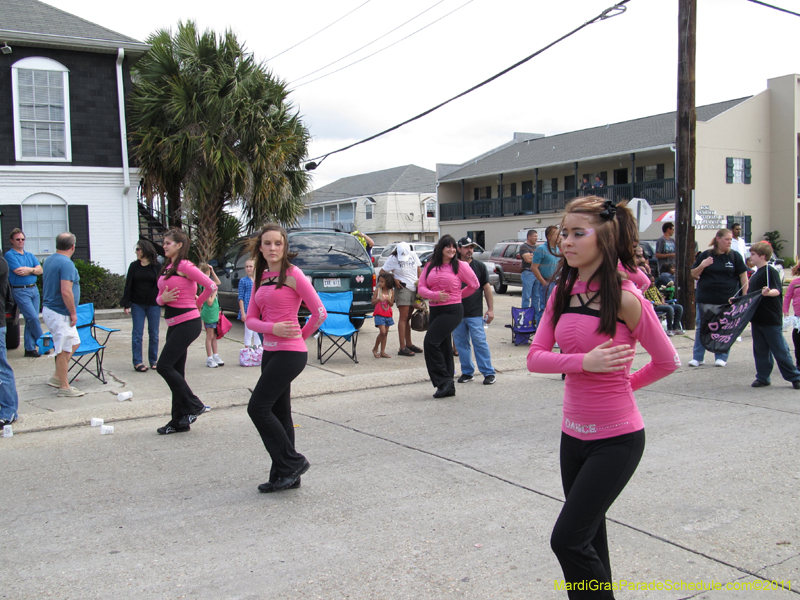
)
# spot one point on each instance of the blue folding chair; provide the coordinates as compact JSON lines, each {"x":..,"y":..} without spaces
{"x":522,"y":325}
{"x":90,"y":351}
{"x":337,"y":328}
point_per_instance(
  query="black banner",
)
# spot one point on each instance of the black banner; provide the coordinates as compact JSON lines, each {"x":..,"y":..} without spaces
{"x":721,"y":324}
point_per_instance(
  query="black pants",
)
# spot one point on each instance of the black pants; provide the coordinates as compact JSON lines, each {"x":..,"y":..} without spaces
{"x":172,"y":367}
{"x":438,"y":343}
{"x":593,"y":474}
{"x":796,"y":342}
{"x":270,"y":409}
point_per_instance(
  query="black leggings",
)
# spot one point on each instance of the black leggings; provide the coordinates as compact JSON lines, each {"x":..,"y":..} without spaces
{"x":593,"y":474}
{"x":270,"y":409}
{"x":796,"y":342}
{"x":438,"y":343}
{"x":172,"y":367}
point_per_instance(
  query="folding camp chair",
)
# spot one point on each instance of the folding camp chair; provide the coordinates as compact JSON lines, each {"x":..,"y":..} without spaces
{"x":522,"y":325}
{"x":337,"y":328}
{"x":89,"y":356}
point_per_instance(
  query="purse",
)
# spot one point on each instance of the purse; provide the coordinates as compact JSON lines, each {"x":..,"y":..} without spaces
{"x":419,"y":319}
{"x":223,"y":325}
{"x":250,"y":356}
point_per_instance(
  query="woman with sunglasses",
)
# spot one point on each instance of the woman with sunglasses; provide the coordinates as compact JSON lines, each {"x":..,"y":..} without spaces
{"x":139,"y":301}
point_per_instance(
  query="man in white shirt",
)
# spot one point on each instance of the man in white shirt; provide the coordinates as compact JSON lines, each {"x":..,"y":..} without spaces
{"x":737,"y":243}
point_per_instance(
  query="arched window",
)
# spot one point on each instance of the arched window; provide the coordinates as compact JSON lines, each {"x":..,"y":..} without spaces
{"x":40,"y":90}
{"x":430,"y":209}
{"x":44,"y":216}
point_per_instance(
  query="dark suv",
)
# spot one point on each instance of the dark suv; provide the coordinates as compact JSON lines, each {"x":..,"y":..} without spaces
{"x":333,"y":261}
{"x":505,"y":255}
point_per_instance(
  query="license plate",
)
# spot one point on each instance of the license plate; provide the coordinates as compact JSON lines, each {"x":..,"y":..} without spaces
{"x":332,"y":283}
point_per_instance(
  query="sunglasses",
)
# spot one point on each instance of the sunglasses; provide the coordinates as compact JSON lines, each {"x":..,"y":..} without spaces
{"x":19,"y":240}
{"x":137,"y":249}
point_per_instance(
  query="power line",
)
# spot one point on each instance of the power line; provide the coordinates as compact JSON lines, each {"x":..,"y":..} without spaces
{"x":608,"y":13}
{"x":369,"y":43}
{"x":775,"y":7}
{"x":320,"y":31}
{"x":386,"y":47}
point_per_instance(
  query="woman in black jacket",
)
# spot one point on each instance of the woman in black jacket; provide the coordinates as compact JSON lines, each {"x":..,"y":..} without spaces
{"x":139,"y":300}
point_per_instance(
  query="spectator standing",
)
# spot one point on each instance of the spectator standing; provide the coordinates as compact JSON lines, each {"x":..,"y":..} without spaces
{"x":543,"y":265}
{"x":766,"y":324}
{"x":598,"y":183}
{"x":471,"y":326}
{"x":404,"y":266}
{"x":720,"y":274}
{"x":209,"y":314}
{"x":737,"y":242}
{"x":440,"y":283}
{"x":365,"y":241}
{"x":61,"y":288}
{"x":792,"y":299}
{"x":665,"y":245}
{"x":586,"y":187}
{"x":526,"y":251}
{"x":251,"y":338}
{"x":23,"y":269}
{"x":9,"y":401}
{"x":139,"y":301}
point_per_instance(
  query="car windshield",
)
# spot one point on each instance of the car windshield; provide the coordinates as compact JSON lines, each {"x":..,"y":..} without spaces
{"x":326,"y":250}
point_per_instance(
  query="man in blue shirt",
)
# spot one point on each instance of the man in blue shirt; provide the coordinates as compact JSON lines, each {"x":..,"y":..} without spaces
{"x":543,"y":265}
{"x":23,"y":269}
{"x":61,"y":291}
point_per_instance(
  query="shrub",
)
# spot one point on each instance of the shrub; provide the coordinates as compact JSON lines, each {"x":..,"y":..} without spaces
{"x":99,"y":285}
{"x":788,"y":262}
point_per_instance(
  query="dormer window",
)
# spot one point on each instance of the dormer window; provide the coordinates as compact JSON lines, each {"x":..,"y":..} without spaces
{"x":40,"y":90}
{"x":369,"y":205}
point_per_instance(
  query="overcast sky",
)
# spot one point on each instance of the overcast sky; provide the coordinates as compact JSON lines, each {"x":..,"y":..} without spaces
{"x":618,"y":69}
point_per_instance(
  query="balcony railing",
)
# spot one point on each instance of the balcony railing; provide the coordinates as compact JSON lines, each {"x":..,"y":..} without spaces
{"x":659,"y":191}
{"x":348,"y":226}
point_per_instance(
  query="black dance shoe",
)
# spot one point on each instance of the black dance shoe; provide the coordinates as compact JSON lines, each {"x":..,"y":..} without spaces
{"x":167,"y":429}
{"x":284,"y":483}
{"x":268,"y":488}
{"x":448,"y":389}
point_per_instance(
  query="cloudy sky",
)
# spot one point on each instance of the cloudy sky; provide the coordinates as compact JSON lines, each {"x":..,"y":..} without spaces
{"x":618,"y":69}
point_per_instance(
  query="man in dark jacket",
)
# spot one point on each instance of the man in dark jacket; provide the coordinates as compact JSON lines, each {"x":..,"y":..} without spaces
{"x":8,"y":386}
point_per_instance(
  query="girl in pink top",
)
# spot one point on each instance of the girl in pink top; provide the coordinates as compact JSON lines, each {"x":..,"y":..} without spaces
{"x":177,"y":290}
{"x":441,"y":283}
{"x":792,"y":298}
{"x":278,"y":291}
{"x":597,"y":316}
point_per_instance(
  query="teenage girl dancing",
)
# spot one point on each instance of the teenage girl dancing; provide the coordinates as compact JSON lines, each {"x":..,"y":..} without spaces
{"x":177,"y":287}
{"x":279,"y":289}
{"x":597,"y":316}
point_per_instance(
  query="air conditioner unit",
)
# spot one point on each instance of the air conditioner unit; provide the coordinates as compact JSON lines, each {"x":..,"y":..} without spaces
{"x":415,"y":237}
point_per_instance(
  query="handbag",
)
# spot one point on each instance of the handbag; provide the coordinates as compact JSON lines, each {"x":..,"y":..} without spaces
{"x":250,"y":356}
{"x":223,"y":325}
{"x":419,"y":319}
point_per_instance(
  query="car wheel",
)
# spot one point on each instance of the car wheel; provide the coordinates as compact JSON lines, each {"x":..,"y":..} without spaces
{"x":500,"y":287}
{"x":12,"y":337}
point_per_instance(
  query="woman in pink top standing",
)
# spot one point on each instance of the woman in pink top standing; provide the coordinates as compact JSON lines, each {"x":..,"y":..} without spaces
{"x":440,"y":283}
{"x":177,"y":289}
{"x":277,"y":293}
{"x":597,"y":316}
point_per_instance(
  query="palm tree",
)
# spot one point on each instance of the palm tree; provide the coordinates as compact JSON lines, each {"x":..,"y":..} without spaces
{"x":205,"y":114}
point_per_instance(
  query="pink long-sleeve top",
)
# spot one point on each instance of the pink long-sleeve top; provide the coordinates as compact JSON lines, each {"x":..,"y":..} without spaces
{"x":442,"y":279}
{"x":186,"y":282}
{"x":600,"y":405}
{"x":792,"y":297}
{"x":270,"y":305}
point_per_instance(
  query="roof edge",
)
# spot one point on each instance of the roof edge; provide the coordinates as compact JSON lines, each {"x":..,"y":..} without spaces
{"x":63,"y":41}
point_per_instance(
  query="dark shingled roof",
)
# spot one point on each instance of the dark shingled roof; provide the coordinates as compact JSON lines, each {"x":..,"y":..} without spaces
{"x":628,"y":136}
{"x":408,"y":178}
{"x":30,"y":21}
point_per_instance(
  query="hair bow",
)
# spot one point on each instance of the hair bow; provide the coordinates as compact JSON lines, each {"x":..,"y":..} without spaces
{"x":609,"y":210}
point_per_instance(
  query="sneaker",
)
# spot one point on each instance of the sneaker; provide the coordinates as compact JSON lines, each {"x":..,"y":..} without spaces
{"x":54,"y":382}
{"x":218,"y":360}
{"x":31,"y":354}
{"x":759,"y":383}
{"x":556,"y":346}
{"x":167,"y":429}
{"x":70,"y":392}
{"x":738,"y":339}
{"x":211,"y":363}
{"x":670,"y":333}
{"x":796,"y":385}
{"x":488,"y":380}
{"x":465,"y":379}
{"x":719,"y":363}
{"x":15,"y":418}
{"x":696,"y":363}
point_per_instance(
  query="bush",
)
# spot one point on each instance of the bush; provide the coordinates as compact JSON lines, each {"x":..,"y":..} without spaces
{"x":788,"y":262}
{"x":99,"y":285}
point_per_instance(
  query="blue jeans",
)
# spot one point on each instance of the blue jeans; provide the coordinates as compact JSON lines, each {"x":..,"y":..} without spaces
{"x":674,"y":314}
{"x":29,"y":304}
{"x":540,"y":295}
{"x":153,"y":314}
{"x":9,"y":402}
{"x":768,"y":341}
{"x":527,"y":287}
{"x":472,"y":327}
{"x":699,"y":351}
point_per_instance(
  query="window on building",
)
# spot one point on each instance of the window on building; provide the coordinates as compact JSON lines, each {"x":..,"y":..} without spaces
{"x":509,"y":190}
{"x":40,"y":90}
{"x":737,"y":170}
{"x":369,"y":206}
{"x":41,"y":224}
{"x":430,"y":209}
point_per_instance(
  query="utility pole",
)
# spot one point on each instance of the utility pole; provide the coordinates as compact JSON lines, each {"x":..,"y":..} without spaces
{"x":685,"y":156}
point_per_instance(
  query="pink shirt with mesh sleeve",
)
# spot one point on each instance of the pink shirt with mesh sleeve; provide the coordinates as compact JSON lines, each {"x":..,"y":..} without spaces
{"x":600,"y":405}
{"x":442,"y":279}
{"x":270,"y":305}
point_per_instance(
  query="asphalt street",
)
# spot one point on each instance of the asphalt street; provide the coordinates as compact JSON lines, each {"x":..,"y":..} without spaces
{"x":407,"y":497}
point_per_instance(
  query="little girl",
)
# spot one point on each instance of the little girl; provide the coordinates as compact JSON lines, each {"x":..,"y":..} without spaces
{"x":792,"y":298}
{"x":209,"y":314}
{"x":251,"y":338}
{"x":383,"y":300}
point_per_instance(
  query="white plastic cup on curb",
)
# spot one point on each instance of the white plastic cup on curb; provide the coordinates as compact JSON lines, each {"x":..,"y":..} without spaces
{"x":106,"y":429}
{"x":122,"y":396}
{"x":96,"y":422}
{"x":7,"y":431}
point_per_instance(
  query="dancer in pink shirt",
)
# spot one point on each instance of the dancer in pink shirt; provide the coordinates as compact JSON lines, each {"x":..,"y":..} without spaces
{"x":277,"y":293}
{"x":597,"y":316}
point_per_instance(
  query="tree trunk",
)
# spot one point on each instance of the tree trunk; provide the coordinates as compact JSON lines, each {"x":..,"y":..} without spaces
{"x":207,"y":222}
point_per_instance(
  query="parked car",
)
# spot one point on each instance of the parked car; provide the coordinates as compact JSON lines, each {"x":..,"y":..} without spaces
{"x":505,"y":255}
{"x":12,"y":325}
{"x":376,"y":252}
{"x":334,"y":261}
{"x":417,"y":247}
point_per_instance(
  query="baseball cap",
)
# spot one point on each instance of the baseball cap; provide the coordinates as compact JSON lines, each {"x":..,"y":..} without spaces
{"x":465,"y":242}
